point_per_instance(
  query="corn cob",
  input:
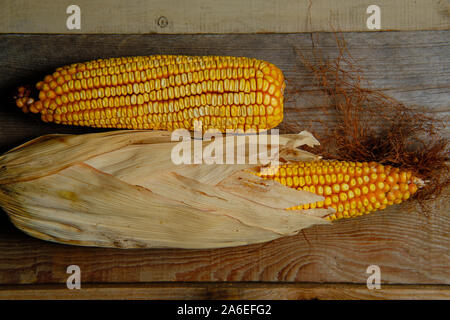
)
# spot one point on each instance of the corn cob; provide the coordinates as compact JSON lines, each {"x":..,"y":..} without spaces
{"x":351,"y":188}
{"x":120,"y":189}
{"x":162,"y":92}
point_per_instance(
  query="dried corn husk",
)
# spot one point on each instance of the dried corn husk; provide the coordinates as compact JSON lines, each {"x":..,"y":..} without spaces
{"x":120,"y":189}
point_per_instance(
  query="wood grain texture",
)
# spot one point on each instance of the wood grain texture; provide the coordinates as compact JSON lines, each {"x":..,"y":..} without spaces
{"x":228,"y":291}
{"x":409,"y":247}
{"x":410,"y":66}
{"x":216,"y":16}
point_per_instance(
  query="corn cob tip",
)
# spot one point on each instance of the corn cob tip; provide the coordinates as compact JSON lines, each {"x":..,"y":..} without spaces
{"x":351,"y":188}
{"x":23,"y":98}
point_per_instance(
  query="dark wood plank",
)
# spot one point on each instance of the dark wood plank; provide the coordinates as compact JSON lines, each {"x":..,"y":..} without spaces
{"x":408,"y":246}
{"x":228,"y":291}
{"x":411,"y":66}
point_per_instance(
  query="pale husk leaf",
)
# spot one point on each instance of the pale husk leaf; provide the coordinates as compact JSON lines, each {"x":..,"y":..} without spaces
{"x":120,"y":189}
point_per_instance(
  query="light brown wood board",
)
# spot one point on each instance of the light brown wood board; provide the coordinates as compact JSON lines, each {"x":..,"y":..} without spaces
{"x":218,"y":16}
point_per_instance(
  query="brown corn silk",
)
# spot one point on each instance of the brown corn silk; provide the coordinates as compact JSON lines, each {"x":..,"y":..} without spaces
{"x":408,"y":138}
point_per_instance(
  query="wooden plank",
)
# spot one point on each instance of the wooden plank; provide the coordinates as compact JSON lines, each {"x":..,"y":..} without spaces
{"x":216,"y":16}
{"x":410,"y":66}
{"x":408,"y":246}
{"x":228,"y":291}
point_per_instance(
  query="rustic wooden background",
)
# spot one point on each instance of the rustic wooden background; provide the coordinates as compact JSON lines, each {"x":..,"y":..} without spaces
{"x":218,"y":16}
{"x":412,"y":248}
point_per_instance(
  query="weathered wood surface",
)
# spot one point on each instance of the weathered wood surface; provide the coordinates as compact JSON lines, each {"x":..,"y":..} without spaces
{"x":409,"y":246}
{"x":226,"y":291}
{"x":410,"y":66}
{"x":217,"y":16}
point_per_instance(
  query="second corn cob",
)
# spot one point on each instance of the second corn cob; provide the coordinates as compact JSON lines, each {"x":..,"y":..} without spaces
{"x":162,"y":92}
{"x":351,"y":188}
{"x":120,"y":189}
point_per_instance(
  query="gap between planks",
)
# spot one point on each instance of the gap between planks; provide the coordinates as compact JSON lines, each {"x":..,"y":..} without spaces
{"x":226,"y":291}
